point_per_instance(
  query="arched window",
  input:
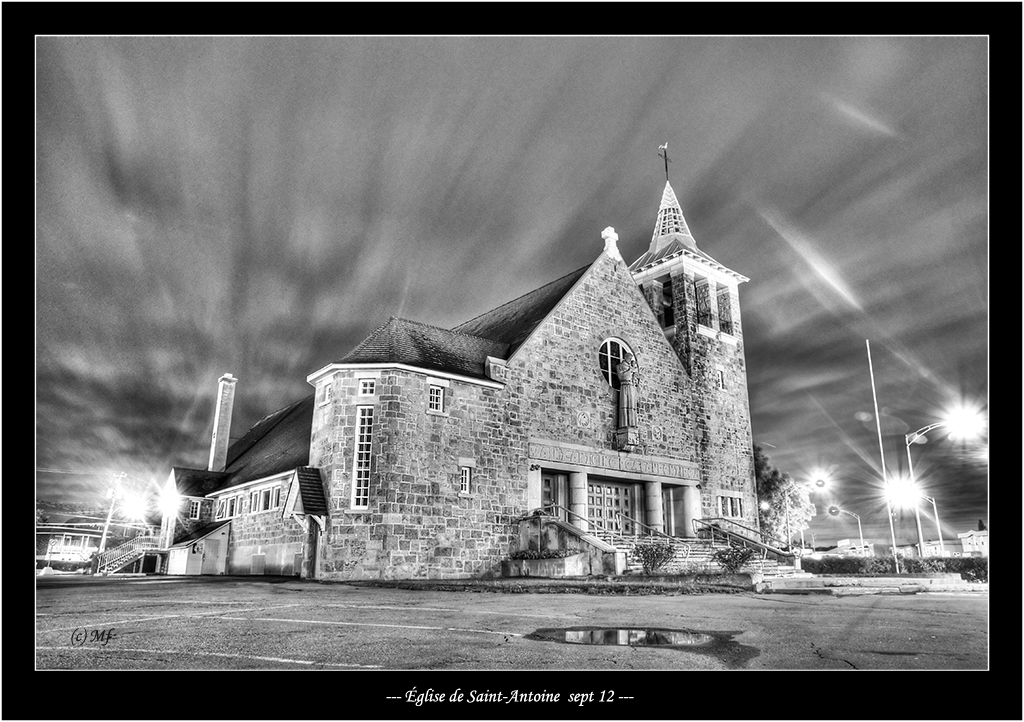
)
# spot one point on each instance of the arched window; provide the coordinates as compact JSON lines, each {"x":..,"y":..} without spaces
{"x":611,"y":354}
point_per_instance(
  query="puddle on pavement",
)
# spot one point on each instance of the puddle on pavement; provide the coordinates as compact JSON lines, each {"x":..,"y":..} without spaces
{"x":717,"y":644}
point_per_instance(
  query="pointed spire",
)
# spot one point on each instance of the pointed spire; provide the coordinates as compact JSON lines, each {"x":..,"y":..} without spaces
{"x":671,"y":224}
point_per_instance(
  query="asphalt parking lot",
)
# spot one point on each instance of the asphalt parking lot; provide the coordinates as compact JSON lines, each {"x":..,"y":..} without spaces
{"x":246,"y":623}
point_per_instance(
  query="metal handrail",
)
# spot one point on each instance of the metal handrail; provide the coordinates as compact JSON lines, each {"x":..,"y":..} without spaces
{"x":739,"y":538}
{"x":126,"y":551}
{"x":591,"y":523}
{"x":651,"y":530}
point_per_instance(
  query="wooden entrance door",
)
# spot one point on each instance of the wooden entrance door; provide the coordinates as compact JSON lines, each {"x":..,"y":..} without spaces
{"x":608,"y":503}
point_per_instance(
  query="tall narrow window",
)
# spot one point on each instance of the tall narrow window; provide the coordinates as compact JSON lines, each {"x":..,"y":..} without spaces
{"x":667,"y":303}
{"x":436,"y":401}
{"x":361,"y":467}
{"x":465,"y":477}
{"x":702,"y":298}
{"x":725,"y":311}
{"x":193,"y":510}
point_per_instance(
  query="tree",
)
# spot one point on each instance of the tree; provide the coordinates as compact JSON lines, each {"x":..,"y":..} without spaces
{"x":981,"y":525}
{"x":774,"y":488}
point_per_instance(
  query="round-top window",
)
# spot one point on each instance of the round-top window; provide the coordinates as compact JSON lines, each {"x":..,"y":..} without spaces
{"x":612,"y":352}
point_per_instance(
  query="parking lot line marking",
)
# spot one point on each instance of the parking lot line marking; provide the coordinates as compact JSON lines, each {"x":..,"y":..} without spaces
{"x":370,"y":624}
{"x":437,"y":609}
{"x":158,"y":617}
{"x":223,"y":654}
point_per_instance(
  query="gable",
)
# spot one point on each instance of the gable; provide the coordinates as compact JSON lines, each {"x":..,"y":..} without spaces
{"x":559,"y":366}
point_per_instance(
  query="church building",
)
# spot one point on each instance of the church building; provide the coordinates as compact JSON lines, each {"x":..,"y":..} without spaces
{"x":612,"y":399}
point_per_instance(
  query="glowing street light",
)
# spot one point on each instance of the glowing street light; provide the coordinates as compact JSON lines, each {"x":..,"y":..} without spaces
{"x":134,"y":506}
{"x":963,"y":422}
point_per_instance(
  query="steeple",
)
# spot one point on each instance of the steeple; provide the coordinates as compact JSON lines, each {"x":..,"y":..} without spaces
{"x":670,"y":224}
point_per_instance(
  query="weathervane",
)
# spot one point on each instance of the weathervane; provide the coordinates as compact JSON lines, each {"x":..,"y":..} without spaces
{"x":665,"y":156}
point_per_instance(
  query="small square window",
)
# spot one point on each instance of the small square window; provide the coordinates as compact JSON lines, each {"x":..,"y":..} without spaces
{"x":436,"y":401}
{"x":367,"y":387}
{"x":465,"y":479}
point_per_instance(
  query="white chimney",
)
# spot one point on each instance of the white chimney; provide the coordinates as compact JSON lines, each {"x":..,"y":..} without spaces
{"x":222,"y":423}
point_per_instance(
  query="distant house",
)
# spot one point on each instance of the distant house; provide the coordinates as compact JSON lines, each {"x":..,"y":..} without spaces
{"x":66,"y":542}
{"x":974,"y":542}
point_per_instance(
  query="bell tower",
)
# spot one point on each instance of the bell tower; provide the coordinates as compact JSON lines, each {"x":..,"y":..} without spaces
{"x":696,"y":301}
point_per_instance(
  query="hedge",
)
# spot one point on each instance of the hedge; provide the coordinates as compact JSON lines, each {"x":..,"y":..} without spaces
{"x":973,"y":569}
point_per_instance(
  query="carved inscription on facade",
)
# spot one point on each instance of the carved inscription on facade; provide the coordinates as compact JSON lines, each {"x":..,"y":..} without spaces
{"x":612,"y":461}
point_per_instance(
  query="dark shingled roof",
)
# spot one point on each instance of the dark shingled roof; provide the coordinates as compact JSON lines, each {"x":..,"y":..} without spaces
{"x":197,"y":482}
{"x":428,"y":347}
{"x":199,"y":533}
{"x":512,"y":322}
{"x":311,"y":490}
{"x":277,"y":443}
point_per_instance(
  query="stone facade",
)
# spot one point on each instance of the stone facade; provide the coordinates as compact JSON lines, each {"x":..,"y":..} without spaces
{"x":431,"y":445}
{"x":265,"y":541}
{"x":417,"y":523}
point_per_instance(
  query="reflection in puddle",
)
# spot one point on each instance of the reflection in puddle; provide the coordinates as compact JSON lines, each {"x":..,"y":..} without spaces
{"x":715,"y":644}
{"x":637,"y":637}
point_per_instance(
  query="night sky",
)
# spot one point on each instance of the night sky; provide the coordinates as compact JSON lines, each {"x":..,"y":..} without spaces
{"x":259,"y":205}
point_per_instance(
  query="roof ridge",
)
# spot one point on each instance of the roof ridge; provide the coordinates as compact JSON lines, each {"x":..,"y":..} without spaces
{"x":280,"y":414}
{"x":447,"y":330}
{"x":528,"y":293}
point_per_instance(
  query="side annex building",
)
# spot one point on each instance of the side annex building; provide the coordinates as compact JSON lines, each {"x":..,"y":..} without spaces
{"x":613,"y":398}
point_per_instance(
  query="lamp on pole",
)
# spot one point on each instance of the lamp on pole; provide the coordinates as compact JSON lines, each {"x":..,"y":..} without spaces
{"x":962,"y":422}
{"x":935,"y":510}
{"x":836,"y":511}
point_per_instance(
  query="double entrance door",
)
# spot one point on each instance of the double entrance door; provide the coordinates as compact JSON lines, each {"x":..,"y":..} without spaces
{"x":611,"y":506}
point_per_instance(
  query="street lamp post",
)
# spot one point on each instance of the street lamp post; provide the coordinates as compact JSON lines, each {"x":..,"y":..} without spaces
{"x":836,"y":511}
{"x":963,"y":422}
{"x":935,"y":511}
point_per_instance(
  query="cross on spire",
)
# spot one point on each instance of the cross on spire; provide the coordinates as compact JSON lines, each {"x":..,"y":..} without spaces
{"x":665,"y":156}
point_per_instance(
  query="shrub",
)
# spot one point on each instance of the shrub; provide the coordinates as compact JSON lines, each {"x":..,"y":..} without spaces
{"x":542,"y":553}
{"x":653,"y":555}
{"x":733,"y":558}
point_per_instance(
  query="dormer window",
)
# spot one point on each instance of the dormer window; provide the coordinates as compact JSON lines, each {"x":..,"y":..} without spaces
{"x":612,"y":352}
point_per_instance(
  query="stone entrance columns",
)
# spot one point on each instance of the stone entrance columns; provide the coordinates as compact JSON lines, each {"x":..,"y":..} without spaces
{"x":654,"y":515}
{"x":691,"y":509}
{"x":578,"y":499}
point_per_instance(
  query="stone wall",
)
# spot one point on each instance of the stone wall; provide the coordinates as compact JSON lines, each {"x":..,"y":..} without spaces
{"x":559,"y":374}
{"x":418,"y":524}
{"x":265,"y":541}
{"x":717,"y":387}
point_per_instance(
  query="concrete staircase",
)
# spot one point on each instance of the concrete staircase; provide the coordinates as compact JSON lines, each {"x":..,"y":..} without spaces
{"x":691,"y":556}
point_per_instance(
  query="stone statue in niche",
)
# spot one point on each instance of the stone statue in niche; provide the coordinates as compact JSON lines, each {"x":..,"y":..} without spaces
{"x":629,"y":378}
